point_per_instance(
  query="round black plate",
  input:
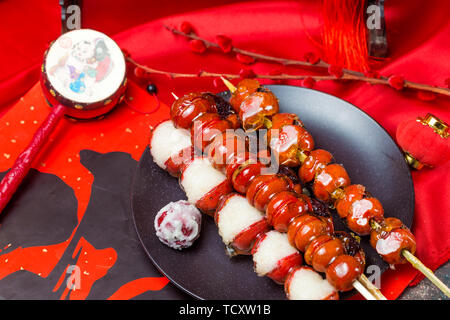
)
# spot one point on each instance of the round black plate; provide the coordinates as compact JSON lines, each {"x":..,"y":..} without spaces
{"x":357,"y":141}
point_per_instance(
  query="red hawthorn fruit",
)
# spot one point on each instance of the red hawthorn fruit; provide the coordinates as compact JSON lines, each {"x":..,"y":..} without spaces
{"x":197,"y":46}
{"x":308,"y":82}
{"x":224,"y":43}
{"x":335,"y":71}
{"x":426,"y":95}
{"x":247,"y":73}
{"x":396,"y":82}
{"x":186,"y":27}
{"x":311,"y":57}
{"x":242,"y":58}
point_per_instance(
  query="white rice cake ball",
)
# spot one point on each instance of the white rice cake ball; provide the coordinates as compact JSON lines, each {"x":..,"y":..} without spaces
{"x":168,"y":141}
{"x":199,"y":177}
{"x":235,"y":216}
{"x":273,"y":247}
{"x":306,"y":284}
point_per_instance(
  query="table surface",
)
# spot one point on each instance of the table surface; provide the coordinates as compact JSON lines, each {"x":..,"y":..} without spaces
{"x":425,"y":290}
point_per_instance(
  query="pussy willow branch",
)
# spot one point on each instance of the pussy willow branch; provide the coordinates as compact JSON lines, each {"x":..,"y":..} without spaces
{"x":206,"y":74}
{"x":347,"y":74}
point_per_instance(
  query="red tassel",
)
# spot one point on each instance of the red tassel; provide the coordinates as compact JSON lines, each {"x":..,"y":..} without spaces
{"x":345,"y":34}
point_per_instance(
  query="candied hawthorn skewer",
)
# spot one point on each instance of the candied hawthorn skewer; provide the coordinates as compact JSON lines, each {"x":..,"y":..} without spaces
{"x":258,"y":188}
{"x":365,"y":214}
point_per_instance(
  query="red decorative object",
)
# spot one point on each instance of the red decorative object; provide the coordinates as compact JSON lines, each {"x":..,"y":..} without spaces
{"x":186,"y":27}
{"x":396,"y":82}
{"x":224,"y":43}
{"x":335,"y":71}
{"x":425,"y":141}
{"x":242,"y":58}
{"x":197,"y":46}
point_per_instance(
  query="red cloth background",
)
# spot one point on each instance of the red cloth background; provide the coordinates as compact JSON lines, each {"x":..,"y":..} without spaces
{"x":418,"y":37}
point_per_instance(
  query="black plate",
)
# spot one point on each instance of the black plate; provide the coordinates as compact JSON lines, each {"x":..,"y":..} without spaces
{"x":357,"y":141}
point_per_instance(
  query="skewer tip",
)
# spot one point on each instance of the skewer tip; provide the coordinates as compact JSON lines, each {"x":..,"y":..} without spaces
{"x":174,"y":95}
{"x":229,"y":85}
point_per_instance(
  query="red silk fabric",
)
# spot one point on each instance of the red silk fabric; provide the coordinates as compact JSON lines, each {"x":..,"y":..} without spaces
{"x":419,"y":50}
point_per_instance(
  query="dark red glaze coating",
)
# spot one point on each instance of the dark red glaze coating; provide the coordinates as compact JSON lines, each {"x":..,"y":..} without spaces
{"x":243,"y":242}
{"x":305,"y":228}
{"x":225,"y":149}
{"x":190,"y":106}
{"x":343,"y":271}
{"x":264,"y":187}
{"x":280,"y":205}
{"x":361,"y":212}
{"x":287,"y":141}
{"x":281,"y":271}
{"x":206,"y":127}
{"x":391,"y":239}
{"x":281,"y":119}
{"x":209,"y":202}
{"x":244,"y":174}
{"x":175,"y":164}
{"x":351,"y":194}
{"x":244,"y":88}
{"x":256,"y":108}
{"x":284,"y":207}
{"x":322,"y":251}
{"x":315,"y":162}
{"x":333,"y":176}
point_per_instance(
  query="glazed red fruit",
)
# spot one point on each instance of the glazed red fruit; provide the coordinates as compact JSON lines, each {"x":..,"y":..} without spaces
{"x":351,"y":194}
{"x":244,"y":174}
{"x":225,"y":148}
{"x":305,"y":228}
{"x":264,"y":187}
{"x":322,"y":251}
{"x":190,"y":106}
{"x":206,"y":127}
{"x":279,"y":205}
{"x":314,"y":163}
{"x":332,"y":177}
{"x":175,"y":164}
{"x":256,"y":108}
{"x":281,"y":119}
{"x":244,"y":88}
{"x":284,"y":207}
{"x":343,"y":271}
{"x":391,"y":239}
{"x":362,"y":212}
{"x":288,"y":141}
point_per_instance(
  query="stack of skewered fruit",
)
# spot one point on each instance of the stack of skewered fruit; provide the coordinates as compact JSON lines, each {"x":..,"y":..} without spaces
{"x":217,"y":161}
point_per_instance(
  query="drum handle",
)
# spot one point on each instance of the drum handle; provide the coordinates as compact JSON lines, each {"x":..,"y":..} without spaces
{"x":22,"y":165}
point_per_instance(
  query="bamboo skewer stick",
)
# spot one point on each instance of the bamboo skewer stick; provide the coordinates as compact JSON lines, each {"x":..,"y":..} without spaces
{"x":416,"y":263}
{"x":362,"y":284}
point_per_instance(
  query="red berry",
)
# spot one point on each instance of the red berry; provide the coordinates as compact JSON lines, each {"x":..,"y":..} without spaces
{"x":247,"y":73}
{"x":335,"y":71}
{"x":242,"y":58}
{"x":447,"y":82}
{"x":426,"y":95}
{"x":224,"y":43}
{"x":197,"y":46}
{"x":308,"y":82}
{"x":186,"y":27}
{"x":396,"y":82}
{"x":311,"y":57}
